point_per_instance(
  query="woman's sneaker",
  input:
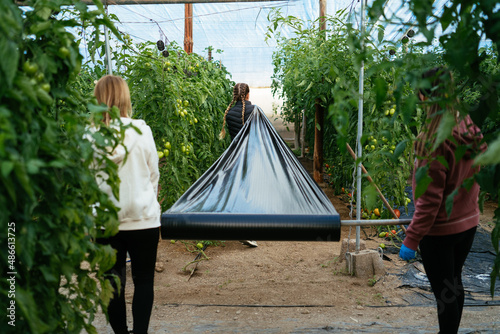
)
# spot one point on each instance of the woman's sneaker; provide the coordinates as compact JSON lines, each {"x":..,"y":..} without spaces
{"x":250,"y":243}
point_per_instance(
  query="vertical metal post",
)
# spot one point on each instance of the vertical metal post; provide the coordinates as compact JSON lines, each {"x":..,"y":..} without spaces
{"x":106,"y":45}
{"x":360,"y":130}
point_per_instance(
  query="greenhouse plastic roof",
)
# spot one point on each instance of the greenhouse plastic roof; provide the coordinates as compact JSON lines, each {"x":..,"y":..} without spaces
{"x":238,"y":29}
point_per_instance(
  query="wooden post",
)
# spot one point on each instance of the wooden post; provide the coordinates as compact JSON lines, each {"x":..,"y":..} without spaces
{"x":318,"y":142}
{"x":319,"y":116}
{"x":322,"y":13}
{"x":188,"y":28}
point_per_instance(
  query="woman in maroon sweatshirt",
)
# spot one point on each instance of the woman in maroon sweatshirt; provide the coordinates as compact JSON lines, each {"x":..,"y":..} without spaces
{"x":445,"y":238}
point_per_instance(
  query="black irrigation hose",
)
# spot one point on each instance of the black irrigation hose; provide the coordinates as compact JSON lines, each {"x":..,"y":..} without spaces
{"x":318,"y":306}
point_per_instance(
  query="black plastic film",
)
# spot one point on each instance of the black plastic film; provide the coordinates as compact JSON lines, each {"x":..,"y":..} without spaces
{"x":254,"y":182}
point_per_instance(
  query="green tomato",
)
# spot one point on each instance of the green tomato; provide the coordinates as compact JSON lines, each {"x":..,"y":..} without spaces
{"x":166,"y":152}
{"x":46,"y":87}
{"x":160,"y":154}
{"x":63,"y":52}
{"x":167,"y":145}
{"x":30,"y":68}
{"x":40,"y":76}
{"x":199,"y":245}
{"x":172,"y":241}
{"x":186,"y":103}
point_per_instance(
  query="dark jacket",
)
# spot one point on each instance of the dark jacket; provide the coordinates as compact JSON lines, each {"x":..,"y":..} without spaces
{"x":233,"y":117}
{"x":430,"y":217}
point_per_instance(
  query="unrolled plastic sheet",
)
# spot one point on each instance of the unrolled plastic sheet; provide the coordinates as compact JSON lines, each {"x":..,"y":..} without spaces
{"x":256,"y":190}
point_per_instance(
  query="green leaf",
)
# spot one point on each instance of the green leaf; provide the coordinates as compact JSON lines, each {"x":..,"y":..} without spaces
{"x":423,"y":180}
{"x":7,"y":167}
{"x":9,"y":53}
{"x":445,"y":128}
{"x":43,"y":12}
{"x":449,"y":202}
{"x":302,"y":83}
{"x":492,"y":154}
{"x":376,"y":9}
{"x":381,"y":32}
{"x":442,"y":161}
{"x":400,"y":148}
{"x":380,"y":86}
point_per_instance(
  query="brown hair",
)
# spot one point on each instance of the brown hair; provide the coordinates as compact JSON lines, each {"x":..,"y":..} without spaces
{"x":441,"y":86}
{"x":240,"y":92}
{"x":113,"y":91}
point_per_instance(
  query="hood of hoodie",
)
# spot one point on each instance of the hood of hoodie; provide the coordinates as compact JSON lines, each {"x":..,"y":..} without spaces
{"x":466,"y":133}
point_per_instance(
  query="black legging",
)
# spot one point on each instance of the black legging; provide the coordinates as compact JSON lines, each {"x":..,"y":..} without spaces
{"x":142,"y":246}
{"x":443,"y":258}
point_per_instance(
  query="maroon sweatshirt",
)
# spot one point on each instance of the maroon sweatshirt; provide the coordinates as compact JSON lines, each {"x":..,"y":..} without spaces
{"x":430,"y":217}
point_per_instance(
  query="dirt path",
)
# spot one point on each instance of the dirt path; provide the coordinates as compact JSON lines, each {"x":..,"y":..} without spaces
{"x":294,"y":287}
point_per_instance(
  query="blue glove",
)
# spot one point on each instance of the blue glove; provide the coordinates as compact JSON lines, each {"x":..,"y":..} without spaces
{"x":406,"y":253}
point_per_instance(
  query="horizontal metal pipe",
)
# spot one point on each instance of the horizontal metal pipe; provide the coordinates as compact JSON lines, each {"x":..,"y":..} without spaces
{"x":374,"y":222}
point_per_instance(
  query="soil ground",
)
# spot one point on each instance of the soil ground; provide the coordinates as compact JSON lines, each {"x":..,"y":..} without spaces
{"x":292,"y":287}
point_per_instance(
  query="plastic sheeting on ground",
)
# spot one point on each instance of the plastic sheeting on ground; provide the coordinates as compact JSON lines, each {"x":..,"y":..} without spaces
{"x":256,"y":190}
{"x":475,"y":276}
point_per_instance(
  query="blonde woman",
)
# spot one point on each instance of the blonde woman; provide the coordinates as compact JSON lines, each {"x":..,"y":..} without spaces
{"x":444,"y":238}
{"x":139,"y":210}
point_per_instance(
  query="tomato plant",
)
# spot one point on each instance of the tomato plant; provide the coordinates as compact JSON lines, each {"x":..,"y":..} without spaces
{"x":317,"y":66}
{"x":50,"y":197}
{"x":182,"y":98}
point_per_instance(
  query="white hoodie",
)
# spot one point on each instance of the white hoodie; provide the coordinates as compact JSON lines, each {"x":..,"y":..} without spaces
{"x":139,"y":207}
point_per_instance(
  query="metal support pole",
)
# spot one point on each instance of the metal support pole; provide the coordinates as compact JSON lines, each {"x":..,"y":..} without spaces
{"x":106,"y":45}
{"x":360,"y":131}
{"x":376,"y":222}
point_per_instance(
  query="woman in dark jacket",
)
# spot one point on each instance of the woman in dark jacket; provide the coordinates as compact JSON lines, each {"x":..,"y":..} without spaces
{"x":236,"y":115}
{"x":238,"y":110}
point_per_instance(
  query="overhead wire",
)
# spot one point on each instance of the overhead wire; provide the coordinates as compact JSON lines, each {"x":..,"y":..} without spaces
{"x":208,"y":14}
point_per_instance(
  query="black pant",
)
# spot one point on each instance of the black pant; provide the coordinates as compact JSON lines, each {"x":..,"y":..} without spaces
{"x":443,"y":258}
{"x":142,"y":246}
